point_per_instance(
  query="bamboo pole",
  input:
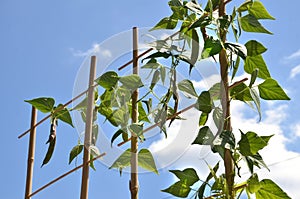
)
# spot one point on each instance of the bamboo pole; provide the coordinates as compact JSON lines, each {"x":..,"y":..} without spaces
{"x":134,"y":184}
{"x":88,"y":130}
{"x":65,"y":174}
{"x":31,"y":151}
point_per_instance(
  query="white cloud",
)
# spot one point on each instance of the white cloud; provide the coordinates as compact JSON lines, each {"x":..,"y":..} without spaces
{"x":295,"y":71}
{"x":296,"y":130}
{"x":284,"y":164}
{"x":294,"y":55}
{"x":94,"y":50}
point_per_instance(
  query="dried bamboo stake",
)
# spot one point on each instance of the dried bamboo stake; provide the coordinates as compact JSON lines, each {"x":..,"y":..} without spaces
{"x":65,"y":174}
{"x":134,"y":184}
{"x":88,"y":130}
{"x":31,"y":151}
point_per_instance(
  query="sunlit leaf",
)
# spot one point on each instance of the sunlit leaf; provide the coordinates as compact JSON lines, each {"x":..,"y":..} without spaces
{"x":204,"y":137}
{"x":253,"y":184}
{"x":155,"y":79}
{"x":257,"y":62}
{"x":203,"y":119}
{"x":146,"y":160}
{"x":179,"y":189}
{"x":255,"y":48}
{"x":269,"y":189}
{"x":131,"y":82}
{"x":142,"y":113}
{"x":237,"y":49}
{"x":250,"y":24}
{"x":258,"y":10}
{"x":251,"y":143}
{"x":123,"y":160}
{"x":165,"y":23}
{"x":270,"y":90}
{"x":187,"y":87}
{"x":211,"y":47}
{"x":108,"y":80}
{"x":188,"y":175}
{"x":43,"y":104}
{"x":76,"y":150}
{"x":256,"y":100}
{"x":204,"y":103}
{"x":194,"y":7}
{"x":63,"y":114}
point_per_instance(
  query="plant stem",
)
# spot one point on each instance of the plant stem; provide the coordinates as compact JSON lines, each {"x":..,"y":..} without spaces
{"x":228,"y":161}
{"x":134,"y":184}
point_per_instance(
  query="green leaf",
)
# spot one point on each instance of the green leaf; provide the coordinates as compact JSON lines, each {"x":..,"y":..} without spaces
{"x":142,"y":113}
{"x":237,"y":49}
{"x":258,"y":10}
{"x":75,"y":152}
{"x":256,"y":100}
{"x":108,"y":80}
{"x":136,"y":129}
{"x":254,"y":48}
{"x":178,"y":189}
{"x":95,"y":132}
{"x":116,"y":135}
{"x":131,"y":82}
{"x":195,"y":49}
{"x":63,"y":114}
{"x":257,"y":62}
{"x":189,"y":176}
{"x":253,"y":77}
{"x":49,"y":151}
{"x":250,"y":24}
{"x":253,"y":184}
{"x":162,"y":74}
{"x":187,"y":87}
{"x":43,"y":104}
{"x":204,"y":102}
{"x":211,"y":47}
{"x":123,"y":161}
{"x":203,"y":119}
{"x":92,"y":163}
{"x":203,"y":21}
{"x":146,"y":160}
{"x":151,"y":64}
{"x":251,"y":143}
{"x":196,"y":8}
{"x":214,"y":91}
{"x":270,"y":90}
{"x":94,"y":151}
{"x":269,"y":189}
{"x":244,"y":6}
{"x":165,"y":55}
{"x":204,"y":137}
{"x":241,"y":92}
{"x":235,"y":66}
{"x":155,"y":79}
{"x":165,"y":23}
{"x":212,"y":5}
{"x":218,"y":117}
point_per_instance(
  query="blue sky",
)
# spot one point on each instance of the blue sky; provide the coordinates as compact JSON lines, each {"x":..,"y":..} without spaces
{"x":42,"y":46}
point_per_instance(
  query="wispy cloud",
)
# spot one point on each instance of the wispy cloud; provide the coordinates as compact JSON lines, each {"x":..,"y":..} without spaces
{"x":295,"y":71}
{"x":282,"y":162}
{"x":95,"y":49}
{"x":294,"y":55}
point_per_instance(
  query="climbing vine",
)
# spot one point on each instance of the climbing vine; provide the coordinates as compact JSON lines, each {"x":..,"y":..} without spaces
{"x":210,"y":25}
